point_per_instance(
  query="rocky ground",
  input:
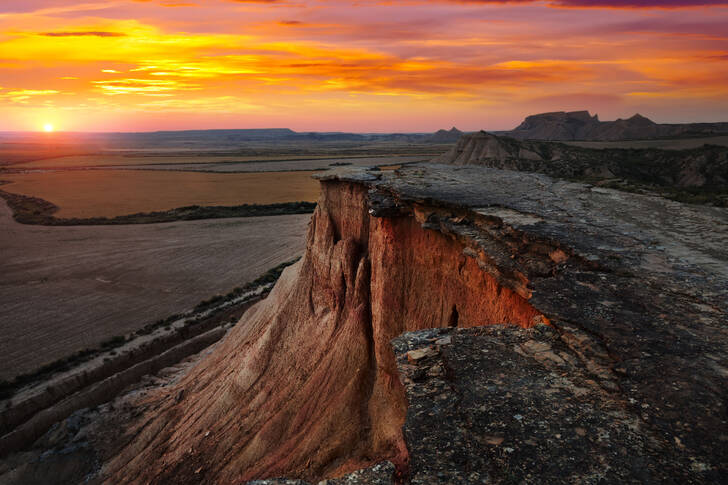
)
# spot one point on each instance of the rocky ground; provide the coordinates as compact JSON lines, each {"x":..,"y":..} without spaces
{"x":543,"y":332}
{"x":698,"y":175}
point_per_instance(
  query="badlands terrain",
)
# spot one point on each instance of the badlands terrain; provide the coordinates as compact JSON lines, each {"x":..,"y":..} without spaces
{"x":465,"y":320}
{"x":66,"y":290}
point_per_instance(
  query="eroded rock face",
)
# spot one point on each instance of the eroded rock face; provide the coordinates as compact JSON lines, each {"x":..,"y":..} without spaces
{"x":698,"y":167}
{"x":609,"y":364}
{"x":306,"y":385}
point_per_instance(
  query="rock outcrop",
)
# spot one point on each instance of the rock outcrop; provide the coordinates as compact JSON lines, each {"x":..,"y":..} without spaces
{"x":580,"y":125}
{"x":444,"y":136}
{"x":579,"y":337}
{"x":307,"y":384}
{"x":699,"y":167}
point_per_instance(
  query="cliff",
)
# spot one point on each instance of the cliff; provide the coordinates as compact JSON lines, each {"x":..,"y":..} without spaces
{"x":307,"y":385}
{"x":455,"y":325}
{"x":705,"y":167}
{"x":580,"y":125}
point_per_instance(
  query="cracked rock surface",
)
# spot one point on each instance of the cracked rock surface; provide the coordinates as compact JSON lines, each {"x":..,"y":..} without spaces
{"x":507,"y":405}
{"x":635,"y":290}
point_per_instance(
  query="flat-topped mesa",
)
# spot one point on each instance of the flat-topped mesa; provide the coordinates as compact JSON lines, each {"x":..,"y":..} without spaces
{"x":580,"y":125}
{"x":307,"y":385}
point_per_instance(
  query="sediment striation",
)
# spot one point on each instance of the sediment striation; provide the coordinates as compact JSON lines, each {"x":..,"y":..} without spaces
{"x":463,"y":325}
{"x":307,"y":385}
{"x":697,"y":175}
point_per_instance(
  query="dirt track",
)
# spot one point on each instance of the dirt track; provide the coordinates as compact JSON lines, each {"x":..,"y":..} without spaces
{"x":67,"y":288}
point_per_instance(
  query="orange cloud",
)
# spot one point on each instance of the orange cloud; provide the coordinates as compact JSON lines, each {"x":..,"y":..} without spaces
{"x":306,"y":63}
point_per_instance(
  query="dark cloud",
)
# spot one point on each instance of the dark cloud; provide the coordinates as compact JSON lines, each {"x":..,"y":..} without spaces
{"x":610,"y":3}
{"x":640,"y":3}
{"x":83,"y":34}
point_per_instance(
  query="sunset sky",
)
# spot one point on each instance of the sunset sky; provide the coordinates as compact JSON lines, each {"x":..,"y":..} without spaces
{"x":364,"y":66}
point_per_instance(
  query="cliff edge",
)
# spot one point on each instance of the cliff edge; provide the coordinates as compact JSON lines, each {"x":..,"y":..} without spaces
{"x":676,"y":173}
{"x":459,"y":324}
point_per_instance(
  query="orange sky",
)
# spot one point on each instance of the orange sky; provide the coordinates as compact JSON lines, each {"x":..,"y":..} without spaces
{"x":365,"y":66}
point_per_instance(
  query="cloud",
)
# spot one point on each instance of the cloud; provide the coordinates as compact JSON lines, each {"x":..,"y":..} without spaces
{"x":83,"y":34}
{"x":144,"y":87}
{"x":32,"y":92}
{"x":23,"y":96}
{"x":620,"y":4}
{"x":638,"y":3}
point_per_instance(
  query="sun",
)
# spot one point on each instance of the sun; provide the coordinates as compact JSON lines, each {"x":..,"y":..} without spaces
{"x":48,"y":128}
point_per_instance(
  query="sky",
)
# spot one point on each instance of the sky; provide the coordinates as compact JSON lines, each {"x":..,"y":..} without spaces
{"x":361,"y":66}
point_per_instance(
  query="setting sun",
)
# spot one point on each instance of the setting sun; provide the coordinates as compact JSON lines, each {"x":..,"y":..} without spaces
{"x":48,"y":127}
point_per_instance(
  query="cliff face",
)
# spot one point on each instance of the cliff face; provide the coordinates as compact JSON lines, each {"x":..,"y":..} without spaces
{"x":699,"y":167}
{"x":306,"y":384}
{"x":608,"y":364}
{"x":580,"y":125}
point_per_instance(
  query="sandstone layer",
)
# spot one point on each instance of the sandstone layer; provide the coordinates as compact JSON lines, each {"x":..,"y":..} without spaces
{"x":307,"y":384}
{"x":697,"y":168}
{"x":581,"y":339}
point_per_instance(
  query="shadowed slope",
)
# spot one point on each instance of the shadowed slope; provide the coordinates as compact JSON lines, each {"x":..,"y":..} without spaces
{"x":306,"y":384}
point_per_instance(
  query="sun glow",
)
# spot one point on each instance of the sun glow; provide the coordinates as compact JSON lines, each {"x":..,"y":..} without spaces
{"x":48,"y":128}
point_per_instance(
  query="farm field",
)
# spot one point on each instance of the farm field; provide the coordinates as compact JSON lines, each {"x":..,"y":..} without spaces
{"x":64,"y":289}
{"x":110,"y":193}
{"x":67,"y":288}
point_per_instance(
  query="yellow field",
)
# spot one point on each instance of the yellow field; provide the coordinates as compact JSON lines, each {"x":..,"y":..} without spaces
{"x":110,"y":193}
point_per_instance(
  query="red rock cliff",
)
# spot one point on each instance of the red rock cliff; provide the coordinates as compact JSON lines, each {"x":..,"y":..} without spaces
{"x":306,"y":384}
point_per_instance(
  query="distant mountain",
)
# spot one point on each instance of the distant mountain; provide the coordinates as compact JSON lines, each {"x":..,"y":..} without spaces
{"x":580,"y":125}
{"x":705,"y":167}
{"x":223,"y":138}
{"x":445,"y":136}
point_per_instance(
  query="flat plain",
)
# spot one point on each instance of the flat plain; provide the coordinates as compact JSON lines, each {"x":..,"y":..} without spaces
{"x":203,"y":162}
{"x":64,"y":289}
{"x":110,"y":193}
{"x":67,"y":288}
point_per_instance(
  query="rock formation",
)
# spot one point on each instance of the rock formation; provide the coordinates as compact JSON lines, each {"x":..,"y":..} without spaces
{"x":307,"y":385}
{"x":445,"y":136}
{"x":580,"y":125}
{"x":579,"y":336}
{"x":705,"y":167}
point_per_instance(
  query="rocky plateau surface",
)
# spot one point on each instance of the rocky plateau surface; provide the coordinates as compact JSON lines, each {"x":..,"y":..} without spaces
{"x":447,"y":324}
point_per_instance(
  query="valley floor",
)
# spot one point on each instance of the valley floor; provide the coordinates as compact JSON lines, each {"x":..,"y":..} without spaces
{"x":64,"y":289}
